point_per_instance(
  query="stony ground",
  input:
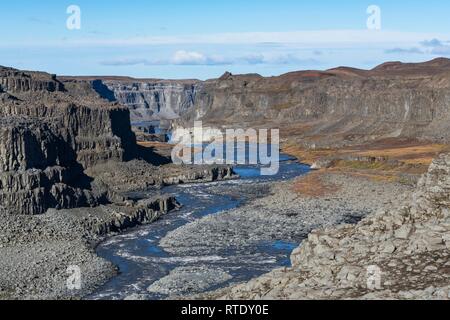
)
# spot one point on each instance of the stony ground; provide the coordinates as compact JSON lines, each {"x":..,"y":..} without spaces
{"x":283,"y":215}
{"x":402,"y":252}
{"x":186,"y":279}
{"x":38,"y":253}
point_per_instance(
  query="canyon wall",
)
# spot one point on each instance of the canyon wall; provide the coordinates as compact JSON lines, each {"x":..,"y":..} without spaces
{"x":153,"y":100}
{"x":50,"y":133}
{"x":341,"y":105}
{"x":337,"y":106}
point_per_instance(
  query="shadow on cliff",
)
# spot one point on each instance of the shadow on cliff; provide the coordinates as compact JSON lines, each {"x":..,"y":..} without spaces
{"x":79,"y":178}
{"x":103,"y":91}
{"x":151,"y":155}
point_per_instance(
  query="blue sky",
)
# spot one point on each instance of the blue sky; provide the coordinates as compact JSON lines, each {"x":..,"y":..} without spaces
{"x":203,"y":39}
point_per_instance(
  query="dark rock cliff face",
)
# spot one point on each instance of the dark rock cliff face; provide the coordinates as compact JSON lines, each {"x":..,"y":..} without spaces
{"x":49,"y":134}
{"x":18,"y":81}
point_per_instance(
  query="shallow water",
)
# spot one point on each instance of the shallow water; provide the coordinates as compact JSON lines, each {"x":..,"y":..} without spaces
{"x":142,"y":261}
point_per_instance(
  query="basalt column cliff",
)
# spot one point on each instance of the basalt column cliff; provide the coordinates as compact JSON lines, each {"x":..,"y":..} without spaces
{"x":49,"y":134}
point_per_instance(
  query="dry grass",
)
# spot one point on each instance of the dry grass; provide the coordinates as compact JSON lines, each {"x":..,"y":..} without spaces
{"x":307,"y":156}
{"x":313,"y":185}
{"x":412,"y":158}
{"x":422,"y":154}
{"x":418,"y":154}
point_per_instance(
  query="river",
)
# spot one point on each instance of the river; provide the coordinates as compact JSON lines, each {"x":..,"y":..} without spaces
{"x":142,"y":261}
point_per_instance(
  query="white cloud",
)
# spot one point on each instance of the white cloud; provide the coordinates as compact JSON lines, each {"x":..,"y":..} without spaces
{"x":438,"y":47}
{"x":432,"y":43}
{"x":181,"y":57}
{"x":413,"y":50}
{"x":193,"y":58}
{"x":431,"y":47}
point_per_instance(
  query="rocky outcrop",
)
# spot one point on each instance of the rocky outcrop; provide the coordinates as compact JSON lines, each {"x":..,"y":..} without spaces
{"x":50,"y":132}
{"x":12,"y":80}
{"x":140,"y":175}
{"x":90,"y":129}
{"x":132,"y":215}
{"x":34,"y":191}
{"x":401,"y":253}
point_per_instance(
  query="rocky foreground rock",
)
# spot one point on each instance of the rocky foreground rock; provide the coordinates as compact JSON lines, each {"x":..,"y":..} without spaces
{"x":400,"y":253}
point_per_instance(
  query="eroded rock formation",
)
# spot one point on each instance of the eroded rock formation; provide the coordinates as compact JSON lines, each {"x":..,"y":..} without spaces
{"x":158,"y":100}
{"x":147,"y":99}
{"x":49,"y":134}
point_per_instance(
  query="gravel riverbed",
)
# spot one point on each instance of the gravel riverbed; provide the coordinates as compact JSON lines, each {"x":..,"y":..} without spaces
{"x":279,"y":218}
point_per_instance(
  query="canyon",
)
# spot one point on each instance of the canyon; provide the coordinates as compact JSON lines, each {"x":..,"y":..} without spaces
{"x":74,"y":151}
{"x":58,"y":138}
{"x":365,"y":118}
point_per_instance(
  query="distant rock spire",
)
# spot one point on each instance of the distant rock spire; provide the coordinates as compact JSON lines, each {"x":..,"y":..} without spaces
{"x":226,"y":76}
